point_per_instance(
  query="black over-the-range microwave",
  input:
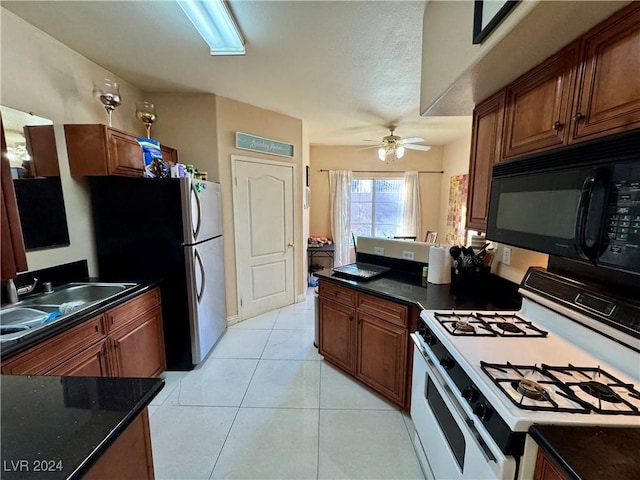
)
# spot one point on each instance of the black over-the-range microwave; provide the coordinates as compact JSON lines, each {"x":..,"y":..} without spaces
{"x":580,"y":202}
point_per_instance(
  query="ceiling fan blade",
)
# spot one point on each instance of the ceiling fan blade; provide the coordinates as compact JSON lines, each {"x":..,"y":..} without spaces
{"x":374,"y":141}
{"x":412,"y":140}
{"x":367,"y":148}
{"x":424,"y":148}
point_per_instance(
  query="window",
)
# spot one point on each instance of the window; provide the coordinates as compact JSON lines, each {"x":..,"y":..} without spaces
{"x":376,"y":206}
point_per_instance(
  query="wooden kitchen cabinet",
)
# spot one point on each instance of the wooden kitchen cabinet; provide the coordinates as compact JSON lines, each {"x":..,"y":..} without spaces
{"x":41,"y":145}
{"x":607,"y":96}
{"x":546,"y":469}
{"x":337,"y":334}
{"x":382,"y":356}
{"x":367,"y":337}
{"x":486,"y":137}
{"x":129,"y":456}
{"x":538,"y":106}
{"x":137,"y":350}
{"x":13,"y":256}
{"x":125,"y":341}
{"x":587,"y":90}
{"x":46,"y":357}
{"x":102,"y":150}
{"x":91,"y":362}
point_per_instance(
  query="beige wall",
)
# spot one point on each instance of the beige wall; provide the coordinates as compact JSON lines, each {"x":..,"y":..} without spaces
{"x":455,"y":161}
{"x":187,"y":122}
{"x":234,"y":116}
{"x":353,"y":158}
{"x":43,"y":76}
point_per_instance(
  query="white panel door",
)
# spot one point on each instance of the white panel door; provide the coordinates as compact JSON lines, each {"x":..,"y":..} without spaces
{"x":263,"y":214}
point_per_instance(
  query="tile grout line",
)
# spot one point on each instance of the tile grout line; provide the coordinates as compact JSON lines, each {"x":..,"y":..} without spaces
{"x":240,"y":404}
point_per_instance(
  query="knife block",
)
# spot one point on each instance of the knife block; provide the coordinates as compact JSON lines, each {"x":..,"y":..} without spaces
{"x":470,"y":281}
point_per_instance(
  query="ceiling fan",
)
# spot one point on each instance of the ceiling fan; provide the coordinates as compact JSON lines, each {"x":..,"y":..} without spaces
{"x":393,"y":144}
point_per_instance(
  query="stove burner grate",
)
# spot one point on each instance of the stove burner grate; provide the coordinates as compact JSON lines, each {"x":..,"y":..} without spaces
{"x":462,"y":324}
{"x":588,"y":389}
{"x":511,"y":325}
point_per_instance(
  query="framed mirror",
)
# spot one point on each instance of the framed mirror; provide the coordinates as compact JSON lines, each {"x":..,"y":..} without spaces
{"x":31,"y":149}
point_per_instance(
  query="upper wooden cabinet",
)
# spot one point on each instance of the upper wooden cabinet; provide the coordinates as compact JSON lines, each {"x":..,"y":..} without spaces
{"x":14,"y":258}
{"x":607,"y":96}
{"x":486,"y":136}
{"x":538,"y":104}
{"x":587,"y":90}
{"x":102,"y":150}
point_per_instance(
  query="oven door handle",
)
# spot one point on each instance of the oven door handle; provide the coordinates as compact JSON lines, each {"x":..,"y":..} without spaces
{"x":486,"y":451}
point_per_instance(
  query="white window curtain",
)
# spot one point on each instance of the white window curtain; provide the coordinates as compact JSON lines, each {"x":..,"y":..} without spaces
{"x":340,"y":196}
{"x":411,"y":215}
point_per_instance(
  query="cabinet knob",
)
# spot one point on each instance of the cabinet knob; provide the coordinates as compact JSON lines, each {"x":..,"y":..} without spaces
{"x":578,"y":116}
{"x":557,"y":125}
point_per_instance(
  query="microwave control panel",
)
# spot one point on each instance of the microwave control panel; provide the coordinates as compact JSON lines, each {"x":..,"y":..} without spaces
{"x":623,"y":219}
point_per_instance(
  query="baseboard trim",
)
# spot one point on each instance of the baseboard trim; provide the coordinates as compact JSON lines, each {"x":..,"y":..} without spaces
{"x":232,"y":320}
{"x":301,"y":298}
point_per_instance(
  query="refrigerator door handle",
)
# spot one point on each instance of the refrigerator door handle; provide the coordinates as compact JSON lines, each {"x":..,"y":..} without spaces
{"x":202,"y":273}
{"x":196,"y":203}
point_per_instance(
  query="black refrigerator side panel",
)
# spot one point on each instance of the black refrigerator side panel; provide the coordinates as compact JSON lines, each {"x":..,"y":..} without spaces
{"x":138,"y":230}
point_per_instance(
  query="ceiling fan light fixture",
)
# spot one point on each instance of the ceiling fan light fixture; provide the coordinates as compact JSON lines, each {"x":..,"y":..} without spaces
{"x":399,"y":152}
{"x":215,"y":23}
{"x":382,"y":153}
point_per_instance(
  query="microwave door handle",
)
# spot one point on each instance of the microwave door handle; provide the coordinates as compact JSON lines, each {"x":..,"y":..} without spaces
{"x":584,"y":206}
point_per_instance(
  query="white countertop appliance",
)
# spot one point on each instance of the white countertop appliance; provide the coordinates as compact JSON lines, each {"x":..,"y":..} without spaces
{"x":569,"y":356}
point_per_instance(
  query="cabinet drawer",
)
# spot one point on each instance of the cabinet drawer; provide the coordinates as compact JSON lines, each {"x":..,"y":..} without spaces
{"x":127,"y":312}
{"x":336,"y":293}
{"x":41,"y":358}
{"x":384,"y":309}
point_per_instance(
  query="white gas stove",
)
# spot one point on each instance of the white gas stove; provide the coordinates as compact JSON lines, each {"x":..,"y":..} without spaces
{"x":481,"y":379}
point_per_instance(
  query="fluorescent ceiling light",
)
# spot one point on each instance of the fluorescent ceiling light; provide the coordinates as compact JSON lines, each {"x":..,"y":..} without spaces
{"x":216,"y":25}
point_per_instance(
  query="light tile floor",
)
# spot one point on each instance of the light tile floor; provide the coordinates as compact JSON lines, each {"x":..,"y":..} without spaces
{"x":265,"y":405}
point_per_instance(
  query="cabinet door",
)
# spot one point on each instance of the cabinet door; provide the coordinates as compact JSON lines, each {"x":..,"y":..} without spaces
{"x":545,"y":469}
{"x":337,"y":334}
{"x":382,"y":356}
{"x":125,"y":154}
{"x":485,"y":151}
{"x":608,"y":95}
{"x":14,"y":258}
{"x":169,"y":155}
{"x":92,"y":362}
{"x":537,"y":109}
{"x":137,"y":350}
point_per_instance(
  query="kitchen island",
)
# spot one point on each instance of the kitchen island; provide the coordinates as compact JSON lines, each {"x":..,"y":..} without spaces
{"x":363,"y":327}
{"x":76,"y":427}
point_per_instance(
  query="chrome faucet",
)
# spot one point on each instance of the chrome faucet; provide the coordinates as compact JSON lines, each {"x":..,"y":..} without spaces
{"x":13,"y":293}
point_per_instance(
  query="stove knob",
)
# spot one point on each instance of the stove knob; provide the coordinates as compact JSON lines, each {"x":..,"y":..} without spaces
{"x":483,"y":411}
{"x":470,"y":394}
{"x":447,"y":362}
{"x":427,"y":335}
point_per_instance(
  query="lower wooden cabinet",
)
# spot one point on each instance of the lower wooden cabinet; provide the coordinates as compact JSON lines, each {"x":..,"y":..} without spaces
{"x":337,"y":334}
{"x":133,"y":348}
{"x":382,"y":356}
{"x":368,"y":338}
{"x":91,"y":362}
{"x":129,"y":457}
{"x":546,"y":470}
{"x":137,"y":350}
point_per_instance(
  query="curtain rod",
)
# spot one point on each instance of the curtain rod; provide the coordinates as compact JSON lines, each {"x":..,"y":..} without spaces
{"x":386,"y":171}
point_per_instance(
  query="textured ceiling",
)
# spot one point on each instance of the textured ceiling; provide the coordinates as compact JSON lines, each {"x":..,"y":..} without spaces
{"x":348,"y":69}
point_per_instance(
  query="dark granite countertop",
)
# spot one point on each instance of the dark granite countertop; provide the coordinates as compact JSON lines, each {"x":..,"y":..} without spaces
{"x":64,"y":424}
{"x":591,"y":453}
{"x":12,"y":347}
{"x":406,"y":288}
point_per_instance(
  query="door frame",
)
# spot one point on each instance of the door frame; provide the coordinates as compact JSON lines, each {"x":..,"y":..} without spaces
{"x":294,"y":191}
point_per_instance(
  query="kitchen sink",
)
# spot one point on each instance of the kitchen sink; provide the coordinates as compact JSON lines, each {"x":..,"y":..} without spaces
{"x":80,"y":292}
{"x":45,"y":309}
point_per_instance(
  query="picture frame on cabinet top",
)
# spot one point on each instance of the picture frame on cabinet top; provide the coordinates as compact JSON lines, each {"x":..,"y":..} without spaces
{"x":487,"y":15}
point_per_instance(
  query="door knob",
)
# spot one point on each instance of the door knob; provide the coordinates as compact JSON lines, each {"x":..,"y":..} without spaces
{"x":290,"y":245}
